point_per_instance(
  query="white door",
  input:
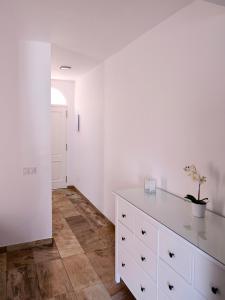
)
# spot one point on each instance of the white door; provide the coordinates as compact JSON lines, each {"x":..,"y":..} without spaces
{"x":59,"y":146}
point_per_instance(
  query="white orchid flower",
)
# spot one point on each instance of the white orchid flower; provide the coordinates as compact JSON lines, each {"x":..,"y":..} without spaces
{"x":195,"y":175}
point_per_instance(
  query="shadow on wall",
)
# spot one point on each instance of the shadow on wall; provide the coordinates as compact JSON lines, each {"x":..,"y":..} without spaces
{"x":218,"y":189}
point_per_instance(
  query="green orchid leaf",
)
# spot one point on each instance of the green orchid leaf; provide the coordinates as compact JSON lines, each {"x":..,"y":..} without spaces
{"x":190,"y":197}
{"x":205,"y":199}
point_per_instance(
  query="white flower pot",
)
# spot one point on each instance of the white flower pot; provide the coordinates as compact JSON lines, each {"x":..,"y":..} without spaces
{"x":198,"y":210}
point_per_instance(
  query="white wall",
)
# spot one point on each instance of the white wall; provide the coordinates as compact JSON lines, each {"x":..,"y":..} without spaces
{"x":165,"y":106}
{"x":67,"y":88}
{"x":88,"y":155}
{"x":25,"y":213}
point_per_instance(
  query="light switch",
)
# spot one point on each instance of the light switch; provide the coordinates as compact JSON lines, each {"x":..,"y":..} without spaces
{"x":29,"y":171}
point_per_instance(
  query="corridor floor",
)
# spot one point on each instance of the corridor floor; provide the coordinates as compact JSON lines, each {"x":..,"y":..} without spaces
{"x":79,"y":265}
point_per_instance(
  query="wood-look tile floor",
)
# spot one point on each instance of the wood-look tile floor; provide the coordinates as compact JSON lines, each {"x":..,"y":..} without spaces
{"x":78,"y":266}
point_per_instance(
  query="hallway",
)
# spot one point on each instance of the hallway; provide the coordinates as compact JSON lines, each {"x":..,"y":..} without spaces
{"x":79,"y":265}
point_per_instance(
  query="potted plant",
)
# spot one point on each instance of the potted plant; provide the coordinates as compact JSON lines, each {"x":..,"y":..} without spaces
{"x":198,"y":204}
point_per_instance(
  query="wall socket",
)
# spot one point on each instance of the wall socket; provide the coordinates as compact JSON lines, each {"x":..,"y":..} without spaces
{"x":29,"y":171}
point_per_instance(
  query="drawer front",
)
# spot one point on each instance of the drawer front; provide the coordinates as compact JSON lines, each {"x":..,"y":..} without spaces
{"x":140,"y":284}
{"x":209,"y":278}
{"x":173,"y":285}
{"x":146,"y":231}
{"x":162,"y":296}
{"x":125,"y":213}
{"x":127,"y":270}
{"x":146,"y":288}
{"x":146,"y":258}
{"x":176,"y":252}
{"x":125,"y":238}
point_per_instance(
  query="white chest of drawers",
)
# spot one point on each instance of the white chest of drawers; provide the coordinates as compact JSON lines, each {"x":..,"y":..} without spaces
{"x":157,"y":263}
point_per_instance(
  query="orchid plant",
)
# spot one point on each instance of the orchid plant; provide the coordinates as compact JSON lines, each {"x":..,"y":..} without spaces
{"x":195,"y":175}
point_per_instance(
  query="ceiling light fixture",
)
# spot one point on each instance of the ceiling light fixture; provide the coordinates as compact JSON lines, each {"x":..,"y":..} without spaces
{"x":65,"y":67}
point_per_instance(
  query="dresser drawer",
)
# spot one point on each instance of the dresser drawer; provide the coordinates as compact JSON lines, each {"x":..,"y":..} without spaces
{"x":125,"y":238}
{"x":126,"y":267}
{"x":209,"y":278}
{"x":176,"y":252}
{"x":125,"y":213}
{"x":140,"y":284}
{"x":146,"y":288}
{"x":162,"y":296}
{"x":173,"y":284}
{"x":146,"y":231}
{"x":146,"y":258}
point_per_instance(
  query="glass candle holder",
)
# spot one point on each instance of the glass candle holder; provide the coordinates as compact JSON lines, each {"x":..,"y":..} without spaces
{"x":150,"y":185}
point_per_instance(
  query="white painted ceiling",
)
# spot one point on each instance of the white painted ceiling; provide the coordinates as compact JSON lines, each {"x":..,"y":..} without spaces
{"x":86,"y":32}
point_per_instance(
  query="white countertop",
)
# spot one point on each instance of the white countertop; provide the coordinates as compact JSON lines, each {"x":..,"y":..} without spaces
{"x":208,"y":234}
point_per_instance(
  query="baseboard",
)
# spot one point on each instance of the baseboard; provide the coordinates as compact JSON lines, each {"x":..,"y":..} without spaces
{"x":72,"y":187}
{"x":3,"y":249}
{"x":44,"y":242}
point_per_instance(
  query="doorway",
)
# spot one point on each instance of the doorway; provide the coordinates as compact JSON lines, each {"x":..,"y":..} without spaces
{"x":58,"y":142}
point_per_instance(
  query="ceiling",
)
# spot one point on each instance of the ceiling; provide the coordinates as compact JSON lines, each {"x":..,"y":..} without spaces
{"x":218,"y":2}
{"x":80,"y":63}
{"x":86,"y":32}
